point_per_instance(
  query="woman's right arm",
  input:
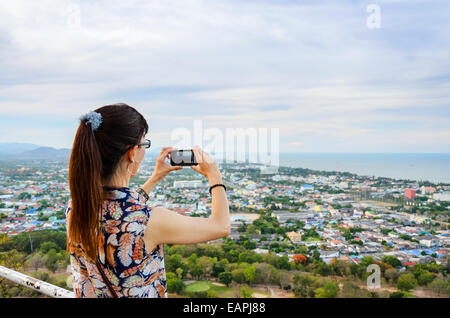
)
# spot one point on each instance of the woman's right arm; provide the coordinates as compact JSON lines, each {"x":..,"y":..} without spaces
{"x":168,"y":227}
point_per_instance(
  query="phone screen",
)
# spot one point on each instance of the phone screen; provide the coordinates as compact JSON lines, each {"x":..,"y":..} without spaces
{"x":182,"y":158}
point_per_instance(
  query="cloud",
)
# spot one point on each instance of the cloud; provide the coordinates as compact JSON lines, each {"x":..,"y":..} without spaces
{"x":312,"y":69}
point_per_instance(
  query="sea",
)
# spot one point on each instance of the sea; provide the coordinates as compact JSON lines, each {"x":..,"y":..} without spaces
{"x":432,"y":167}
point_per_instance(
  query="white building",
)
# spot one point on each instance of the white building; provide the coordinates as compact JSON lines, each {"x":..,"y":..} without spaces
{"x":443,"y":196}
{"x":328,"y":256}
{"x":343,"y":185}
{"x":428,"y":241}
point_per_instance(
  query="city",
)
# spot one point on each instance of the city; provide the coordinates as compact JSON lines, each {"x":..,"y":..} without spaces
{"x":290,"y":212}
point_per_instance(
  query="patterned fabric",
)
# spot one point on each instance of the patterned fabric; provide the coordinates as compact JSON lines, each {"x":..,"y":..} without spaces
{"x":131,"y":269}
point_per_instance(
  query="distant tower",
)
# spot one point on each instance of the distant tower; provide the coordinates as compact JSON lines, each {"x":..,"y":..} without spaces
{"x":410,"y":194}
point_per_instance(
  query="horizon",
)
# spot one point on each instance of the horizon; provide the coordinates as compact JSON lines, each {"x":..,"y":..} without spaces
{"x":281,"y":152}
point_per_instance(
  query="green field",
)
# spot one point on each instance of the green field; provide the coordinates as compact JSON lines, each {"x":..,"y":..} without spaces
{"x":204,"y":286}
{"x":200,"y":286}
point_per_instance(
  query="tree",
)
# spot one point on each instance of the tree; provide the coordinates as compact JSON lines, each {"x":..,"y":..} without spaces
{"x":205,"y":263}
{"x":173,"y":262}
{"x":192,"y":259}
{"x":299,"y":259}
{"x":425,"y":277}
{"x":391,"y":260}
{"x":397,"y":294}
{"x":180,"y":273}
{"x":322,"y":269}
{"x":329,"y":290}
{"x":238,"y":275}
{"x":250,"y":273}
{"x":439,"y":286}
{"x":285,"y":280}
{"x":283,"y":262}
{"x":391,"y":275}
{"x":217,"y":268}
{"x":211,"y":294}
{"x":24,"y":196}
{"x":36,"y":261}
{"x":196,"y":270}
{"x":406,"y":282}
{"x":303,"y":285}
{"x":252,"y":229}
{"x":23,"y":241}
{"x":243,"y":227}
{"x":351,"y":289}
{"x":47,"y":246}
{"x":13,"y":260}
{"x":51,"y":260}
{"x":246,"y":291}
{"x":225,"y":278}
{"x":263,"y":273}
{"x":175,"y":284}
{"x":340,"y":268}
{"x":366,"y":261}
{"x":43,"y":204}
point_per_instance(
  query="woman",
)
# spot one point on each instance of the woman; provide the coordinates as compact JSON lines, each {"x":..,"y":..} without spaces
{"x":115,"y":238}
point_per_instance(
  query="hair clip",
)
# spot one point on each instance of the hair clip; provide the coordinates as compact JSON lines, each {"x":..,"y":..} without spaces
{"x":93,"y":118}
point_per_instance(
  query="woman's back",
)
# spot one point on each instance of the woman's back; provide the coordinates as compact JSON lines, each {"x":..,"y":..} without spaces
{"x":117,"y":229}
{"x":132,"y":270}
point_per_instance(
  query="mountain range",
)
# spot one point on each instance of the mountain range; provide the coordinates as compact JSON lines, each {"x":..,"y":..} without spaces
{"x":14,"y":150}
{"x":31,"y":151}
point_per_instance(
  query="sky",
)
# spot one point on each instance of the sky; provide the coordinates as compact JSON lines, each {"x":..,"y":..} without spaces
{"x":319,"y":71}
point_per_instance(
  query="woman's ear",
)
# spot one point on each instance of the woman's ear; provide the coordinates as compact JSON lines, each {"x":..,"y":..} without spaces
{"x":130,"y":153}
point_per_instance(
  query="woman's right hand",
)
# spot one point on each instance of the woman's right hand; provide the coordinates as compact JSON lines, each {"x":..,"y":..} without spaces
{"x":206,"y":166}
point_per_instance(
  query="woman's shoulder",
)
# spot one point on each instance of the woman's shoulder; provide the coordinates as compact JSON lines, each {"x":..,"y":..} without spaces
{"x":125,"y":201}
{"x":125,"y":195}
{"x":128,"y":198}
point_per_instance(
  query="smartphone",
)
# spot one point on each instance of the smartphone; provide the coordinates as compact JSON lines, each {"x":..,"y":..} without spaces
{"x":183,"y":158}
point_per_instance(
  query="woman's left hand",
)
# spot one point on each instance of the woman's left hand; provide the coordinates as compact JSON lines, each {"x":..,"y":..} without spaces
{"x":162,"y":169}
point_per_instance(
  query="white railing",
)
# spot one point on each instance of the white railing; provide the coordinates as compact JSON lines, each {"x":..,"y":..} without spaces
{"x":36,"y":284}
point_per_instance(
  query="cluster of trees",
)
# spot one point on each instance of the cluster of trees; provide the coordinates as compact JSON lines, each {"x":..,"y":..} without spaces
{"x":49,"y":256}
{"x":33,"y":253}
{"x":235,"y":263}
{"x":27,"y":242}
{"x":268,"y":224}
{"x":227,"y":263}
{"x":310,"y":234}
{"x":307,"y":275}
{"x":307,"y":285}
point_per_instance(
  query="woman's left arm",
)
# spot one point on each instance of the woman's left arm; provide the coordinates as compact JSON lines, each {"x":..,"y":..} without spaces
{"x":161,"y":170}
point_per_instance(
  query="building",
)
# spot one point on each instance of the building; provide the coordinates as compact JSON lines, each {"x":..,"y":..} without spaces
{"x":428,"y":241}
{"x":410,"y":194}
{"x":343,"y":185}
{"x":283,"y":216}
{"x":294,"y":237}
{"x":443,"y":196}
{"x":307,"y":187}
{"x":328,"y":256}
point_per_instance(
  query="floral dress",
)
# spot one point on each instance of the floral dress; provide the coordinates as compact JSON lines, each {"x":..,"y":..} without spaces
{"x":130,"y":268}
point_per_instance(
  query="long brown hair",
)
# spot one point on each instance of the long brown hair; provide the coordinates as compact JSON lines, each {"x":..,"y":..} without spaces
{"x":93,"y":161}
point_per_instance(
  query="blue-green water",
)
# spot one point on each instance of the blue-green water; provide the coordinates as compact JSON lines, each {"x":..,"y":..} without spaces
{"x":411,"y":166}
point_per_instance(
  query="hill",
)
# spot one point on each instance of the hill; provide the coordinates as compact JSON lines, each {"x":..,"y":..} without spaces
{"x":15,"y":150}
